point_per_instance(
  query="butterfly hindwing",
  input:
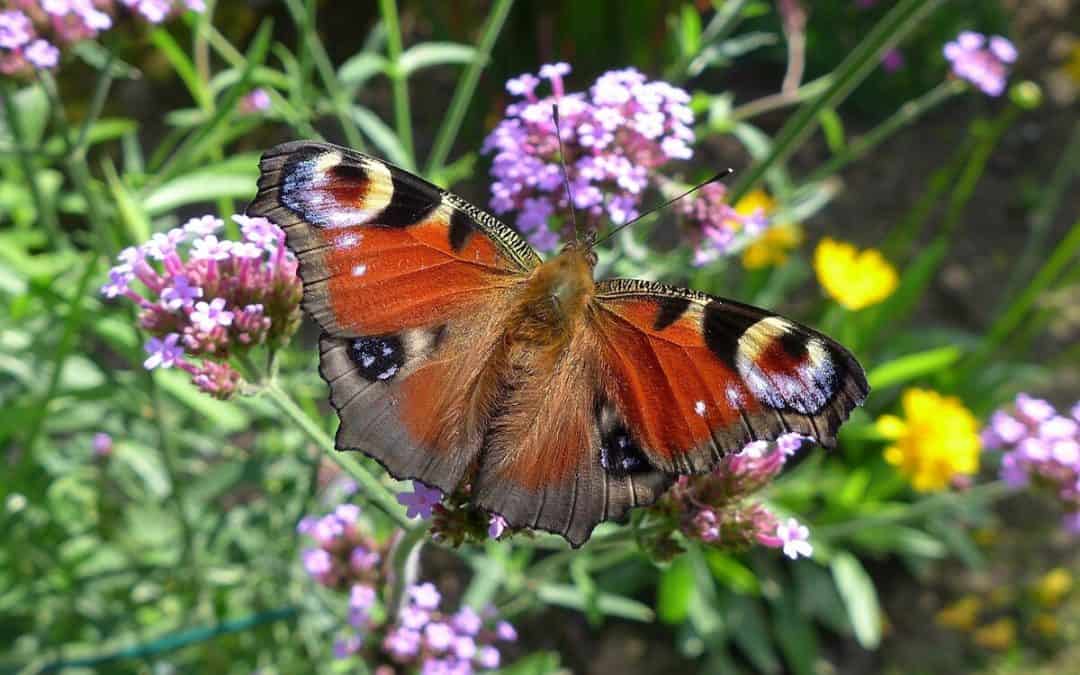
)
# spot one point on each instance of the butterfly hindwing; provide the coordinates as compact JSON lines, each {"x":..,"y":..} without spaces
{"x":698,"y":377}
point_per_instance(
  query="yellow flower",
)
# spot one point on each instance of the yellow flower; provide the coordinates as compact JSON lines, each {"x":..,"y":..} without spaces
{"x":856,"y":279}
{"x":961,"y":614}
{"x":936,"y":440}
{"x":1052,"y":587}
{"x":774,"y":245}
{"x":1046,"y":625}
{"x":999,"y":635}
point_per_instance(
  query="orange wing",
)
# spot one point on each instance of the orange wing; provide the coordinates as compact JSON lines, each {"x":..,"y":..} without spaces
{"x":406,"y":280}
{"x":696,"y":377}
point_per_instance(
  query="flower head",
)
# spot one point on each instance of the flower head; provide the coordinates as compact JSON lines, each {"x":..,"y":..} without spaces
{"x":935,"y":441}
{"x":855,"y":279}
{"x":613,"y":136}
{"x":420,"y":501}
{"x":796,"y":539}
{"x":981,"y":61}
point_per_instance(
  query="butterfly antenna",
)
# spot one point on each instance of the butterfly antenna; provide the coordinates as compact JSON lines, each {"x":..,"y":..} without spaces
{"x":718,"y":177}
{"x":565,"y":174}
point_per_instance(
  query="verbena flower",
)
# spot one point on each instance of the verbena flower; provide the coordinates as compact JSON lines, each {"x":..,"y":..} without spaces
{"x":420,"y":501}
{"x":102,"y":445}
{"x":33,"y":32}
{"x":718,"y":508}
{"x":936,"y":440}
{"x":981,"y":61}
{"x":855,"y":279}
{"x":718,"y":228}
{"x":614,"y":137}
{"x":422,"y":636}
{"x":256,"y":101}
{"x":1040,"y":448}
{"x":204,"y":300}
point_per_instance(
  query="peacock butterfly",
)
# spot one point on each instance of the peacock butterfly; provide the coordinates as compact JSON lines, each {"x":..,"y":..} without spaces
{"x":454,"y":353}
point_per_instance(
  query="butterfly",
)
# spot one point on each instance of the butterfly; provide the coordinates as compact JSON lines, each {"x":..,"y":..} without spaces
{"x":455,"y":355}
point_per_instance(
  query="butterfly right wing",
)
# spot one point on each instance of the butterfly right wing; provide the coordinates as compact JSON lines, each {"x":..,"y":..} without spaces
{"x":408,"y":283}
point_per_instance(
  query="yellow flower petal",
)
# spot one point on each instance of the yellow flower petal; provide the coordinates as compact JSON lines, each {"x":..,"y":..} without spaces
{"x":936,"y":440}
{"x":854,"y":279}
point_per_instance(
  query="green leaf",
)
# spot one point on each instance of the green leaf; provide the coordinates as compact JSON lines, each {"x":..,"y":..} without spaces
{"x":690,"y":31}
{"x":913,"y":366}
{"x":537,"y":663}
{"x":146,"y":464}
{"x":730,"y":572}
{"x":900,"y":539}
{"x":183,"y":66}
{"x":233,"y":179}
{"x":429,"y":54}
{"x":607,"y":604}
{"x":225,"y":415}
{"x":382,"y":136}
{"x":675,"y":590}
{"x":860,"y":598}
{"x":361,"y":67}
{"x":751,"y":634}
{"x":132,"y":215}
{"x":795,"y":634}
{"x":833,"y":127}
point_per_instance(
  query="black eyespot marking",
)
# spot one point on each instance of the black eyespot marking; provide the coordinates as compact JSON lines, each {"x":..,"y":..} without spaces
{"x":724,"y":323}
{"x":794,"y":345}
{"x":378,"y":358}
{"x":461,"y":228}
{"x":620,"y":455}
{"x":671,"y":308}
{"x":413,"y":199}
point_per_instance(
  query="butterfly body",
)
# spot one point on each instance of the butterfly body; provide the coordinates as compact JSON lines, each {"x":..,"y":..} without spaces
{"x":455,"y":355}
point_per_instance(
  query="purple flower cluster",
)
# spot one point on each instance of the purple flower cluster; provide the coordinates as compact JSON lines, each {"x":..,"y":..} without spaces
{"x":715,"y":508}
{"x":1041,"y":448}
{"x":31,"y":30}
{"x":210,"y":298}
{"x":437,"y":643}
{"x":455,"y":519}
{"x":716,"y":227}
{"x":981,"y":61}
{"x":614,"y":138}
{"x":346,"y":558}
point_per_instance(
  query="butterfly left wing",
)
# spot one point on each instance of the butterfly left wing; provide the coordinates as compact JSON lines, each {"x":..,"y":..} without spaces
{"x":696,"y":377}
{"x":407,"y":282}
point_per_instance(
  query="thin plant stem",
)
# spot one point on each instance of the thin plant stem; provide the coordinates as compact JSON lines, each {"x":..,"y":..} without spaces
{"x":722,"y":24}
{"x":327,"y":74}
{"x":398,"y":78}
{"x":781,"y":99}
{"x":986,"y":492}
{"x":43,"y":208}
{"x":908,"y":113}
{"x":892,"y":28}
{"x":405,"y":561}
{"x":376,"y":492}
{"x":466,"y":87}
{"x":1067,"y":168}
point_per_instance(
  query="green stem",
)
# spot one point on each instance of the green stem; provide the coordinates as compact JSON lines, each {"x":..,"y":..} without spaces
{"x":43,"y":208}
{"x":405,"y":561}
{"x":781,"y":99}
{"x":466,"y":87}
{"x":904,"y":16}
{"x":327,"y":73}
{"x":101,"y":92}
{"x":908,"y":113}
{"x":722,"y":24}
{"x":376,"y":492}
{"x":398,"y":78}
{"x":1067,"y":168}
{"x":987,"y":492}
